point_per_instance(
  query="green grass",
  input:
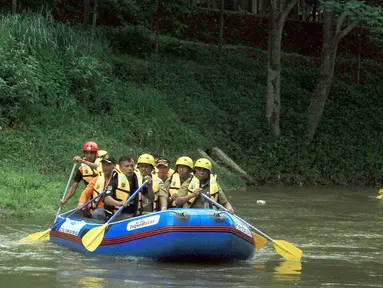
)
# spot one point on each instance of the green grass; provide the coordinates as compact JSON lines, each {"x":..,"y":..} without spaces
{"x":25,"y":192}
{"x":57,"y":91}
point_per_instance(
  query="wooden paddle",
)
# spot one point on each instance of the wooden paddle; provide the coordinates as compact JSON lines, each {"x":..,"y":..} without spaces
{"x":43,"y":236}
{"x":283,"y":248}
{"x":93,"y":238}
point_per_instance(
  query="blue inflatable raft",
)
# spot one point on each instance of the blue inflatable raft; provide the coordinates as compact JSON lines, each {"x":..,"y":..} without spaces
{"x":174,"y":234}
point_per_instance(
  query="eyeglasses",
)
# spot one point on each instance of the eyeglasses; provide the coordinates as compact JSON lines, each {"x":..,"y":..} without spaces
{"x":143,"y":166}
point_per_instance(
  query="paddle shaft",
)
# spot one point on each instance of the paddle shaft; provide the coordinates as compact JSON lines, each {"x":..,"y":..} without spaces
{"x":75,"y":210}
{"x":65,"y":191}
{"x":45,"y":234}
{"x":93,"y":238}
{"x":223,"y":208}
{"x":129,"y":199}
{"x":283,"y":248}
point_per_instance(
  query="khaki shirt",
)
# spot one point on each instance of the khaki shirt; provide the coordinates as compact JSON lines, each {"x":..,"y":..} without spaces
{"x":161,"y":193}
{"x":167,"y":185}
{"x":199,"y":202}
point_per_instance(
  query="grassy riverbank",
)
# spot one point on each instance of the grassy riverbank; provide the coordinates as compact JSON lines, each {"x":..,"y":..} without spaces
{"x":59,"y":88}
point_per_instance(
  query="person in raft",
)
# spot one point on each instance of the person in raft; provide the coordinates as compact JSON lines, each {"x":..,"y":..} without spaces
{"x":123,"y":184}
{"x":90,"y":167}
{"x":146,"y":165}
{"x":184,"y":167}
{"x":96,"y":186}
{"x":162,"y":170}
{"x":205,"y":182}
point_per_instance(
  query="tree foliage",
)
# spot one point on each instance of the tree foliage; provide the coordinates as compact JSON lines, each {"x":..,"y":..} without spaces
{"x":351,"y":13}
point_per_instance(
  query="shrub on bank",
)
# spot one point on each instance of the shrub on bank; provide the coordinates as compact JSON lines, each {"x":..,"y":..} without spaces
{"x":64,"y":88}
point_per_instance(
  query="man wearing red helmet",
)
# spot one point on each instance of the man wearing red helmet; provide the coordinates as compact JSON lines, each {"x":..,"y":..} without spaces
{"x":90,"y":167}
{"x":91,"y":157}
{"x":97,"y":186}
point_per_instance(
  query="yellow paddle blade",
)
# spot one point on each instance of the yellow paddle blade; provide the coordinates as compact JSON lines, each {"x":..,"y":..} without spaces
{"x":38,"y":236}
{"x":289,"y":267}
{"x":93,"y":238}
{"x":259,"y":241}
{"x":287,"y":250}
{"x":379,"y":197}
{"x":380,"y":191}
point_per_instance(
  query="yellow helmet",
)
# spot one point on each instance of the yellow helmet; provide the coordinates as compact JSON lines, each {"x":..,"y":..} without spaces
{"x":146,"y":159}
{"x":101,"y":153}
{"x":203,"y":163}
{"x":185,"y":160}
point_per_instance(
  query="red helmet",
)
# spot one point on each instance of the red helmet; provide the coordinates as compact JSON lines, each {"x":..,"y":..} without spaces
{"x":90,"y":146}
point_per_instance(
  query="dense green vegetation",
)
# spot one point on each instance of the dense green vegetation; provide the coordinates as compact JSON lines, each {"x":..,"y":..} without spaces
{"x":59,"y":88}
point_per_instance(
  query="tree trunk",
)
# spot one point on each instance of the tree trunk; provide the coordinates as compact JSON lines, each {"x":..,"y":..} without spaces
{"x":278,"y":16}
{"x":273,"y":103}
{"x":157,"y":28}
{"x":14,"y":6}
{"x":323,"y":86}
{"x":359,"y":52}
{"x":86,"y":15}
{"x":94,"y":21}
{"x":220,"y":155}
{"x":254,"y":6}
{"x":215,"y":164}
{"x":221,"y":25}
{"x":321,"y":91}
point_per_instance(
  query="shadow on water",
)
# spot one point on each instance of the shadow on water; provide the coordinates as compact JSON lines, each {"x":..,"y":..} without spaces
{"x":337,"y":229}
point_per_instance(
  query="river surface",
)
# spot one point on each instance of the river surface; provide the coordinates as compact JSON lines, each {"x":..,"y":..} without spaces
{"x":338,"y":230}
